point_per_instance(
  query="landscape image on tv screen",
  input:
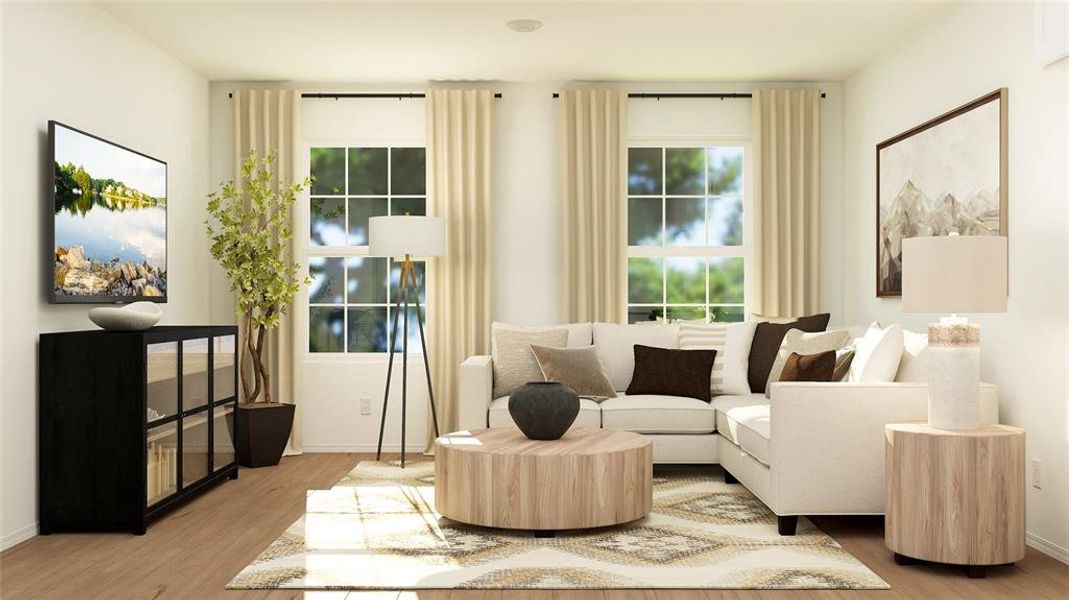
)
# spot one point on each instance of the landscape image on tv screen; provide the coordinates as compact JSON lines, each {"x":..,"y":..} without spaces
{"x":110,"y":230}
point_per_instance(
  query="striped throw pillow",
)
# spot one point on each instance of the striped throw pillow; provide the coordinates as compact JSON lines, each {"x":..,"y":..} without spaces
{"x":702,"y":336}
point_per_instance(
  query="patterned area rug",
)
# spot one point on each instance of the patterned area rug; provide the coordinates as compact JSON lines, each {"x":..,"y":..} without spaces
{"x":377,"y":529}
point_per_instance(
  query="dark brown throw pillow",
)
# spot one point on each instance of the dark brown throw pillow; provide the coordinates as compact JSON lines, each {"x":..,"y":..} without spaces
{"x":809,"y":367}
{"x":672,"y":372}
{"x":766,"y":341}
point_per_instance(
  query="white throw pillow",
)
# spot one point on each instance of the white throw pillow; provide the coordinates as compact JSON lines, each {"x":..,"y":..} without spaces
{"x":712,"y":336}
{"x":737,"y":358}
{"x":878,"y":354}
{"x":616,"y":347}
{"x":732,"y":344}
{"x":914,"y":364}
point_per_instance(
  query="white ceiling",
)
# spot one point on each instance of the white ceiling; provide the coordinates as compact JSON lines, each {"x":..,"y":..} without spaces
{"x":605,"y":40}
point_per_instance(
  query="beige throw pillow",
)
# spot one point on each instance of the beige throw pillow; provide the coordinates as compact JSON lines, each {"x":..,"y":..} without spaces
{"x":577,"y":368}
{"x":514,"y":363}
{"x":796,"y":341}
{"x":843,"y":358}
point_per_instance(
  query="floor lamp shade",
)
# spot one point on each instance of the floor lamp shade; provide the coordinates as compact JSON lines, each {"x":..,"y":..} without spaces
{"x":407,"y":235}
{"x":954,"y":274}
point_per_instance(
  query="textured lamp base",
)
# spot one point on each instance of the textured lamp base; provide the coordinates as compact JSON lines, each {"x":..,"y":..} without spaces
{"x":954,"y":375}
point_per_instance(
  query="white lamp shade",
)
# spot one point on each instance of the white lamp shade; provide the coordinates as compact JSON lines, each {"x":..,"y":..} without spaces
{"x":954,"y":274}
{"x":414,"y":235}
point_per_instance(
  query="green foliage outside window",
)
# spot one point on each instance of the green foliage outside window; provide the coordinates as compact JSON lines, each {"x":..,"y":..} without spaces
{"x":690,"y":199}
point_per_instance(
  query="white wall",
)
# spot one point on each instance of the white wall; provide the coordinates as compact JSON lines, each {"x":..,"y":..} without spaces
{"x":973,"y":50}
{"x":76,"y":64}
{"x":526,"y":216}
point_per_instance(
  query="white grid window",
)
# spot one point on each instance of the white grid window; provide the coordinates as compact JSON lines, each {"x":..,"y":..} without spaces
{"x":686,"y":248}
{"x":351,"y":297}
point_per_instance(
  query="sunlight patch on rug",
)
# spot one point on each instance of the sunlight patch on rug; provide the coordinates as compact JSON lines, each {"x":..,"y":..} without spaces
{"x":376,"y":529}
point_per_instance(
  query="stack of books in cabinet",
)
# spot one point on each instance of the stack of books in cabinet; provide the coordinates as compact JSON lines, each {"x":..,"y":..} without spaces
{"x":132,"y":424}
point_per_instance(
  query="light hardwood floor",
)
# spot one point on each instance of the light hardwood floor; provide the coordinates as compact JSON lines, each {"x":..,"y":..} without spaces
{"x":193,"y":553}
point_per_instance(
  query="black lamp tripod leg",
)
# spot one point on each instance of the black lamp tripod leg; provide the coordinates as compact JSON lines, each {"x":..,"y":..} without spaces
{"x":404,"y":355}
{"x":389,"y":374}
{"x":426,"y":362}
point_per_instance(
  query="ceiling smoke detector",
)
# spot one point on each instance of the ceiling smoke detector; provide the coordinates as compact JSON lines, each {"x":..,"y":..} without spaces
{"x":524,"y":25}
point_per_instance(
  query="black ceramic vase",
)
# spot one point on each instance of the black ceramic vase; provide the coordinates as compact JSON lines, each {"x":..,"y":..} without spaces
{"x":544,"y":410}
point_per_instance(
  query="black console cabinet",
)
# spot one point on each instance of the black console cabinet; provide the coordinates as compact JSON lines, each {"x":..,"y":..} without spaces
{"x":131,"y":424}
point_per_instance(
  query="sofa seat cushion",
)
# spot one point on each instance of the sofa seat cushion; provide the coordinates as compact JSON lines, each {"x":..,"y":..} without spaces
{"x":744,"y":420}
{"x":651,"y":413}
{"x":616,"y":347}
{"x":589,"y":414}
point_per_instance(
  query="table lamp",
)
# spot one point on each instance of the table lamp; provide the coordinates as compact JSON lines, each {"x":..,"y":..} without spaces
{"x":954,"y":274}
{"x":406,"y":236}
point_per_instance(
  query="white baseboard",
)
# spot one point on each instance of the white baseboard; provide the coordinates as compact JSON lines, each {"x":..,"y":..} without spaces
{"x":1047,"y":547}
{"x":18,"y":536}
{"x":411,"y":448}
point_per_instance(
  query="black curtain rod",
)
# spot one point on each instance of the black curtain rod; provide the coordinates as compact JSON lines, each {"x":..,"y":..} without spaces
{"x":360,"y":95}
{"x":721,"y":96}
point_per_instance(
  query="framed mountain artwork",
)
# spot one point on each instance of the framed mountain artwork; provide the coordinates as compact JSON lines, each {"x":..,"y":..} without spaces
{"x":947,"y":175}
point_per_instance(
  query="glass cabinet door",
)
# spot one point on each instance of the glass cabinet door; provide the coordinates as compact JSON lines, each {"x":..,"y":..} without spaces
{"x":195,"y":447}
{"x":162,"y":384}
{"x":194,"y":374}
{"x":223,"y":431}
{"x":162,"y":462}
{"x":224,"y":357}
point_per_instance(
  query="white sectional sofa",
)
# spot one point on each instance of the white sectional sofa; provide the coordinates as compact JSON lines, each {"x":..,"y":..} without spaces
{"x":809,"y":448}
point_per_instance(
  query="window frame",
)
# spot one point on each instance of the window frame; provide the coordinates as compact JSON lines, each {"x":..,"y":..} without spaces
{"x":747,"y":251}
{"x":304,"y":249}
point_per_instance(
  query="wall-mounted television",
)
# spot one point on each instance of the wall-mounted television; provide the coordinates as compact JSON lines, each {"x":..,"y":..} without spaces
{"x":109,"y":220}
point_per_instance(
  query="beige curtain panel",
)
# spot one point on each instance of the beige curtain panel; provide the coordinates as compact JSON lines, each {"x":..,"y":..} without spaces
{"x":269,"y":121}
{"x":593,"y":151}
{"x":786,"y":149}
{"x":459,"y":286}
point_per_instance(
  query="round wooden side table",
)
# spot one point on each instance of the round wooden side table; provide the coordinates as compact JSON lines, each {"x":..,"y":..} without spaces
{"x":955,"y":497}
{"x":499,"y":478}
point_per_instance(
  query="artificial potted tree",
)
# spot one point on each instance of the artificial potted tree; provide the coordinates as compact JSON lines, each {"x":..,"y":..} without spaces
{"x":250,"y":230}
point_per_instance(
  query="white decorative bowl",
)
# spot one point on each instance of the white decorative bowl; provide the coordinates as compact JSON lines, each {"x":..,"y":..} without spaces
{"x":138,"y":315}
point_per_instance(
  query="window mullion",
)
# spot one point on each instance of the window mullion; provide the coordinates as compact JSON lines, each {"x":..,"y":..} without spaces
{"x":664,"y":234}
{"x":345,"y":264}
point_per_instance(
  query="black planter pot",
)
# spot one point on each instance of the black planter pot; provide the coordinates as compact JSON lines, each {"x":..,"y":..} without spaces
{"x":544,"y":410}
{"x":262,"y":432}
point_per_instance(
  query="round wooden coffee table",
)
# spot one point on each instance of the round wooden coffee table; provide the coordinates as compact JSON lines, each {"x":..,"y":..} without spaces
{"x":499,"y":478}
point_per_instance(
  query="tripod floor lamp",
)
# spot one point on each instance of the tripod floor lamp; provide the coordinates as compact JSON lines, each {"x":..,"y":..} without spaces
{"x":406,"y":236}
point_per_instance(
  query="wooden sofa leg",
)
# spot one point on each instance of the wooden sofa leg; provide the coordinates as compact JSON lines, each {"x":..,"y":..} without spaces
{"x":729,"y":478}
{"x":787,"y":524}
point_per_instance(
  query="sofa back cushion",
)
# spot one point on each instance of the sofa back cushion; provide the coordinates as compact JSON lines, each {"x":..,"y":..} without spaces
{"x":514,"y":362}
{"x":914,"y":363}
{"x":579,"y":335}
{"x":616,"y":347}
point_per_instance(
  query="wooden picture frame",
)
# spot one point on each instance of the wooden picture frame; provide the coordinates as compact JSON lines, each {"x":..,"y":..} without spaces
{"x":959,"y":162}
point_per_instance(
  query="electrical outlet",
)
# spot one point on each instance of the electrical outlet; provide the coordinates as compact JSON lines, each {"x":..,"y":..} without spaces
{"x":1037,"y":479}
{"x":365,"y":405}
